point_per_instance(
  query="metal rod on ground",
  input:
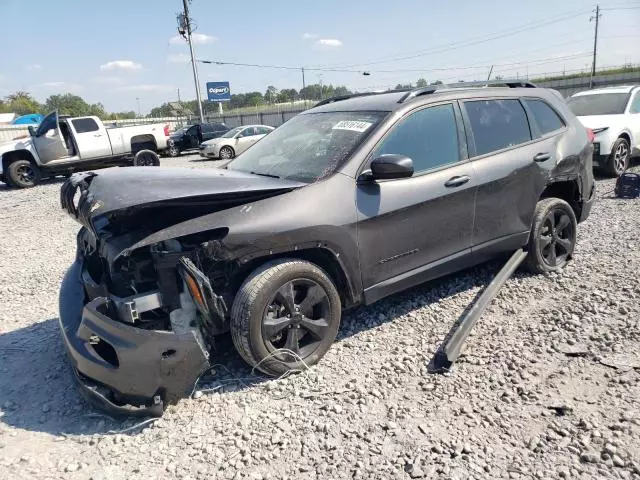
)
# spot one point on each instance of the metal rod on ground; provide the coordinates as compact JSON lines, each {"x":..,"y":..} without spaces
{"x":193,"y":59}
{"x":446,"y":356}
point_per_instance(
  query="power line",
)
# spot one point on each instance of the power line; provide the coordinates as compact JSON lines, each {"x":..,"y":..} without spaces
{"x":473,"y":41}
{"x":409,"y":70}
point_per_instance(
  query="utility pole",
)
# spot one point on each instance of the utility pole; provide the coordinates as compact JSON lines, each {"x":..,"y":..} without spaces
{"x":303,"y":83}
{"x":184,"y":29}
{"x":490,"y":72}
{"x":138,"y":100}
{"x":595,"y":45}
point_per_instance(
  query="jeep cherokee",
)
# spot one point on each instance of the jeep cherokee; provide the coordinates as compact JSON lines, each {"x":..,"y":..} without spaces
{"x":351,"y":201}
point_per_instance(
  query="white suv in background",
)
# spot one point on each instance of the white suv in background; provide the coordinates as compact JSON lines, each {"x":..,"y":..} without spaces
{"x":613,"y":114}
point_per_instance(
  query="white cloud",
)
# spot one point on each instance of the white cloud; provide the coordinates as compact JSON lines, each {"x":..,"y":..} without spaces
{"x":33,"y":67}
{"x":178,"y":58}
{"x":151,"y":87}
{"x":329,"y":42}
{"x":120,"y":65}
{"x":196,"y":38}
{"x":310,"y":36}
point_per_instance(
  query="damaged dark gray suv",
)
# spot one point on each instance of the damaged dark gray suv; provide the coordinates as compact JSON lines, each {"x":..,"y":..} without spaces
{"x":349,"y":202}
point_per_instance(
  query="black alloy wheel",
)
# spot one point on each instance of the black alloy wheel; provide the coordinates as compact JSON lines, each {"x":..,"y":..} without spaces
{"x":296,"y":318}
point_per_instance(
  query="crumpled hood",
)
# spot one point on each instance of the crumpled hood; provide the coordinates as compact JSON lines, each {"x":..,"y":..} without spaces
{"x":120,"y":188}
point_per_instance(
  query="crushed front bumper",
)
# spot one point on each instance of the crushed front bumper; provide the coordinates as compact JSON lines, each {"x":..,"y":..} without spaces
{"x":121,"y":368}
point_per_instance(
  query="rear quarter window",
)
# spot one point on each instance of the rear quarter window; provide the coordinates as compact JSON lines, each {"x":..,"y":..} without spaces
{"x":544,"y":116}
{"x":497,"y":124}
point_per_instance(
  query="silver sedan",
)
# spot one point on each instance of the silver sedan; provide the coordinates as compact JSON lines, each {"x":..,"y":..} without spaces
{"x":234,"y":142}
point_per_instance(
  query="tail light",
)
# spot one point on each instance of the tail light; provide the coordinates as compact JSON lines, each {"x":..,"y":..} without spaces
{"x":591,"y":135}
{"x":166,"y":130}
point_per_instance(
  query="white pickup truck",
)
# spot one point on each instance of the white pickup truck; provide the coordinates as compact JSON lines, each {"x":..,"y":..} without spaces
{"x":63,"y":145}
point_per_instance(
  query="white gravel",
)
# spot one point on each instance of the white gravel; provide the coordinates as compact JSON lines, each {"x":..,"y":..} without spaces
{"x":534,"y":396}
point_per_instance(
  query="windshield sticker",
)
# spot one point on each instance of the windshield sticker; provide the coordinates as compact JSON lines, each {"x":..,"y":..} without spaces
{"x":353,"y":125}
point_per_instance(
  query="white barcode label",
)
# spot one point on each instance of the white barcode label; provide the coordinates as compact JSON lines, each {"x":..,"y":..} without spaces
{"x":353,"y":125}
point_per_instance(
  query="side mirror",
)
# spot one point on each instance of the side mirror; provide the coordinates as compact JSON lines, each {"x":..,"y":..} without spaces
{"x":389,"y":166}
{"x":32,"y":131}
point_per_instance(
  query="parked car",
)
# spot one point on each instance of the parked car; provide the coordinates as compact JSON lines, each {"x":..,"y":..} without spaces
{"x":191,"y":136}
{"x":234,"y":142}
{"x":346,"y":203}
{"x":613,"y":114}
{"x":63,"y":145}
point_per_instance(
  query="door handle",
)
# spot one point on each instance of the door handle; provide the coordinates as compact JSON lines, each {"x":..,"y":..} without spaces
{"x":457,"y":181}
{"x":97,"y":134}
{"x":542,"y":157}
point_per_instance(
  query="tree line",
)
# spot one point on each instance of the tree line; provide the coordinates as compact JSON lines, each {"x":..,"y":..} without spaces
{"x":22,"y":102}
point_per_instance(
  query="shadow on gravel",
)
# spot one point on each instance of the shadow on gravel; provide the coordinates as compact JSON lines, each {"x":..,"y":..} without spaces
{"x":4,"y":188}
{"x":38,"y":391}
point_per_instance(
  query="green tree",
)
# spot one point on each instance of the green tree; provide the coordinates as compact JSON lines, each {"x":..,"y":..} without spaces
{"x":69,"y":104}
{"x":421,"y":83}
{"x":437,"y":82}
{"x":271,"y":94}
{"x":21,"y":103}
{"x":405,"y":86}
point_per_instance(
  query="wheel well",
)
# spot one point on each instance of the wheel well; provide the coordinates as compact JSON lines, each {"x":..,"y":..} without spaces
{"x":567,"y":191}
{"x":321,"y":257}
{"x":9,"y":157}
{"x":626,"y":136}
{"x":142,"y":142}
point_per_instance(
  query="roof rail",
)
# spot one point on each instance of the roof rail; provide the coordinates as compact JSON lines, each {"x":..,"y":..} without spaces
{"x":353,"y":95}
{"x":479,"y":84}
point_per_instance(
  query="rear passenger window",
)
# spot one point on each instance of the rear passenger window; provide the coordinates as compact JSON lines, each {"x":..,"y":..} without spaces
{"x":428,"y":137}
{"x":545,"y":117}
{"x":206,"y":128}
{"x":497,"y":124}
{"x":84,"y":125}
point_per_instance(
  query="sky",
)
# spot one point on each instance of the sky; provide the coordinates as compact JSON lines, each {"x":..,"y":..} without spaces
{"x":121,"y":52}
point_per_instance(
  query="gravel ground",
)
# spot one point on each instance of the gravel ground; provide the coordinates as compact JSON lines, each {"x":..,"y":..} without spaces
{"x":548,"y":387}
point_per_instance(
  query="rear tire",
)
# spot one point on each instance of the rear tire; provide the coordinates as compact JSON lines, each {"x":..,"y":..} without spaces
{"x":22,"y":174}
{"x":146,"y":158}
{"x":553,"y":236}
{"x":619,"y":158}
{"x":285,"y":304}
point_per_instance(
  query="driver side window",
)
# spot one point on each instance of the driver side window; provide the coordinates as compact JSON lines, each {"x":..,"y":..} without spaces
{"x":429,"y":137}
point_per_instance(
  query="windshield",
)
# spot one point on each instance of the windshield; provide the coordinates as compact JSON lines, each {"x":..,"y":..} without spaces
{"x":598,"y":104}
{"x":231,"y":133}
{"x":308,"y":147}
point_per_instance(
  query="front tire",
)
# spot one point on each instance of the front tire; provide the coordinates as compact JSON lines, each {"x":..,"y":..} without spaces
{"x":22,"y":174}
{"x":553,"y":236}
{"x":173,"y":151}
{"x":227,"y":153}
{"x":285,"y":316}
{"x":619,"y":158}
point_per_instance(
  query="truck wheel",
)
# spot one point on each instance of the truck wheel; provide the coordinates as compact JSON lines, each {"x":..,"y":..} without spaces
{"x":553,"y":236}
{"x":618,"y":160}
{"x":22,"y":174}
{"x":146,"y":158}
{"x":285,"y":316}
